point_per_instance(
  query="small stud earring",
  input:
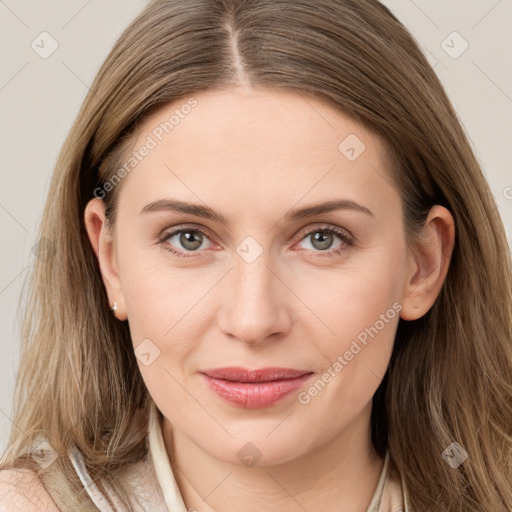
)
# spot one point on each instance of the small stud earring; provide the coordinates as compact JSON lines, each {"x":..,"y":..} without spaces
{"x":114,"y":308}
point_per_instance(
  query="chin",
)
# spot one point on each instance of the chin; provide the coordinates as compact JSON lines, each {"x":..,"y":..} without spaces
{"x":258,"y":450}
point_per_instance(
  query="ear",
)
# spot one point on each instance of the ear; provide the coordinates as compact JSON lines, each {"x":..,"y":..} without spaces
{"x":102,"y":242}
{"x":429,"y":264}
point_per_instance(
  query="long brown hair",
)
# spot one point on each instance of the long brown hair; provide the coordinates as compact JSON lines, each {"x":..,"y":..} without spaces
{"x":450,"y":375}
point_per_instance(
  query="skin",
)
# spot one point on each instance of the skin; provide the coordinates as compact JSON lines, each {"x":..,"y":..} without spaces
{"x":253,"y":155}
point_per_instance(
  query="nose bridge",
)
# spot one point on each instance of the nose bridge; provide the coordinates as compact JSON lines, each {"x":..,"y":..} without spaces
{"x":253,"y":279}
{"x":254,"y":309}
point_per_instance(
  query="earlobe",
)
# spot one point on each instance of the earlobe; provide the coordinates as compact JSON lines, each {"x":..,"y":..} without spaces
{"x":429,"y":265}
{"x":103,"y":245}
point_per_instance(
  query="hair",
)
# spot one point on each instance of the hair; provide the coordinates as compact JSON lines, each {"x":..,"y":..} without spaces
{"x":450,"y":375}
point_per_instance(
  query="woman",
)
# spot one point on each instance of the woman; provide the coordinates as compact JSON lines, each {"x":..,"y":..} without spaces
{"x":273,"y":245}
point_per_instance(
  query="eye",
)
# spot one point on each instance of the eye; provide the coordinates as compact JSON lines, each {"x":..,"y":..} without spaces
{"x":323,"y":237}
{"x":182,"y":240}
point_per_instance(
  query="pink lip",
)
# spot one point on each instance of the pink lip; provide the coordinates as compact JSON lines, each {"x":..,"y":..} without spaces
{"x":254,"y":389}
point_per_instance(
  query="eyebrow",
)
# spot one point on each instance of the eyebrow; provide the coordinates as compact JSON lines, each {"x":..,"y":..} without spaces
{"x":293,"y":215}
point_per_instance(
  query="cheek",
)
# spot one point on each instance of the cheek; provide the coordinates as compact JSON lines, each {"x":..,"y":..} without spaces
{"x":359,"y":308}
{"x":352,"y":297}
{"x":355,"y":357}
{"x":165,"y":312}
{"x":167,"y":308}
{"x":157,"y":293}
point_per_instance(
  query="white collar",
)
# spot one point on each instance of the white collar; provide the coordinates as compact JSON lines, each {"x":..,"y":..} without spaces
{"x":164,"y":474}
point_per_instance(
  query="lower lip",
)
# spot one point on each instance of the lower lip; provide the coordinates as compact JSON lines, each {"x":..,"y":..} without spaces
{"x":255,"y":395}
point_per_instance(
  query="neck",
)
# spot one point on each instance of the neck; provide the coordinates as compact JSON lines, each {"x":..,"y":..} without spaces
{"x":340,"y":475}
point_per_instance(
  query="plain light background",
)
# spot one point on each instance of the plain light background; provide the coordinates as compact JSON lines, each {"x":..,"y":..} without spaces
{"x":468,"y":42}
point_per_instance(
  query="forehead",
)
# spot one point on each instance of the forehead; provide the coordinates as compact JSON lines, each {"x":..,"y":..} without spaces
{"x":240,"y":145}
{"x":278,"y":120}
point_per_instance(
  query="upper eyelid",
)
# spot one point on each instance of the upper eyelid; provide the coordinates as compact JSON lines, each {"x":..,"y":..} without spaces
{"x":325,"y":227}
{"x":167,"y":233}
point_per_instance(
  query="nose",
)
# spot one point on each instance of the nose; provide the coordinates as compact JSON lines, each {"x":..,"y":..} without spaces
{"x":254,"y":309}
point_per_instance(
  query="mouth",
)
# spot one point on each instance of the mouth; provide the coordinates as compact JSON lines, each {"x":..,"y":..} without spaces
{"x":254,"y":389}
{"x":238,"y":374}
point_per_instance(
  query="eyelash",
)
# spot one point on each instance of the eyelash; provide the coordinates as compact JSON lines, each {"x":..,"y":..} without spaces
{"x":341,"y":233}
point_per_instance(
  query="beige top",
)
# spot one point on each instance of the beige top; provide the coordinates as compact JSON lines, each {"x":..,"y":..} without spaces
{"x":155,"y":487}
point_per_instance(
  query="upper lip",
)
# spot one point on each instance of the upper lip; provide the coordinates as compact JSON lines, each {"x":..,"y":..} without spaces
{"x":238,"y":374}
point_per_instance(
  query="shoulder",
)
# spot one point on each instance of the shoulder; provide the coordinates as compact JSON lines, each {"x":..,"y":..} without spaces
{"x":22,"y":490}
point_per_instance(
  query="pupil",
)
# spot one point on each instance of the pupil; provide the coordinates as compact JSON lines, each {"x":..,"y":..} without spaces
{"x":187,"y":240}
{"x":324,"y":239}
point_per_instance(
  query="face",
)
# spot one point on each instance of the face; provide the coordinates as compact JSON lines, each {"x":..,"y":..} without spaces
{"x":263,"y":280}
